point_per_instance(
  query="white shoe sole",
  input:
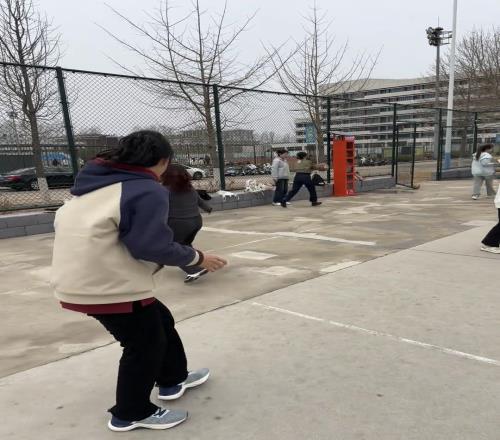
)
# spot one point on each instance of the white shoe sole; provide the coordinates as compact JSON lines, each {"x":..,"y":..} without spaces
{"x":184,"y":387}
{"x":491,"y":250}
{"x":146,"y":426}
{"x":194,"y":277}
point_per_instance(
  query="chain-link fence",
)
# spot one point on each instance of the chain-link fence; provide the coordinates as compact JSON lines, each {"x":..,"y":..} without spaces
{"x":53,"y":121}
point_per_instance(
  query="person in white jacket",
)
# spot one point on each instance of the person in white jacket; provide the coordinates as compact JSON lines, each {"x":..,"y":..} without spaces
{"x":491,"y":243}
{"x":483,"y":170}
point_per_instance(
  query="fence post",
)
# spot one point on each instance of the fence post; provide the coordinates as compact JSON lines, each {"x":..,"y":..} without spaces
{"x":220,"y":145}
{"x":440,"y":146}
{"x":394,"y":127}
{"x":474,"y":143}
{"x":328,"y":139}
{"x":67,"y":120}
{"x":413,"y":155}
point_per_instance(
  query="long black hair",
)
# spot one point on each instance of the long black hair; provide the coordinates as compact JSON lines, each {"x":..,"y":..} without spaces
{"x":143,"y":148}
{"x":482,"y":149}
{"x":177,"y":178}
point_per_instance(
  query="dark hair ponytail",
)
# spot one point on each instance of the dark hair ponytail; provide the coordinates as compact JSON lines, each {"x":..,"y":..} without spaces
{"x":143,"y":148}
{"x":482,"y":149}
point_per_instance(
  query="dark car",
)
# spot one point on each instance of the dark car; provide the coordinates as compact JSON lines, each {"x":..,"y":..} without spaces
{"x":234,"y":171}
{"x":25,"y":179}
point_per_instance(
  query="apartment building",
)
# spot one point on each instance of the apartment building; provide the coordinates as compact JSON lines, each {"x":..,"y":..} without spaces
{"x":365,"y":109}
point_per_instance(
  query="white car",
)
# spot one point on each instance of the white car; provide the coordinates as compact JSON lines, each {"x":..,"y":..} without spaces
{"x":196,"y":173}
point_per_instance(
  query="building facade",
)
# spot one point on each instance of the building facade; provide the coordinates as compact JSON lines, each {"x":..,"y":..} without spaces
{"x":365,"y":110}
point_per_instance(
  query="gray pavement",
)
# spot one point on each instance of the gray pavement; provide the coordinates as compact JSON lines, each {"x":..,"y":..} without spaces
{"x":380,"y":326}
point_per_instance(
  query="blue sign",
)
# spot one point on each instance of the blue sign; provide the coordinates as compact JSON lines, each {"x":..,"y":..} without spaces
{"x":310,"y":134}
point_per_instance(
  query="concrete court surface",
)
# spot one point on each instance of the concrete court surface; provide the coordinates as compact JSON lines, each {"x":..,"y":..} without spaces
{"x":399,"y":347}
{"x":288,"y":364}
{"x":268,"y":248}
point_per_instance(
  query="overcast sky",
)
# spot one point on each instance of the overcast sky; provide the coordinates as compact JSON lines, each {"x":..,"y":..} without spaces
{"x":397,"y":27}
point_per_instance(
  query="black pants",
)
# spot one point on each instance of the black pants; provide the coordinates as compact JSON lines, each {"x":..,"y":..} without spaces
{"x":302,"y":179}
{"x":152,"y":353}
{"x":493,"y":237}
{"x":281,"y":190}
{"x":185,"y":230}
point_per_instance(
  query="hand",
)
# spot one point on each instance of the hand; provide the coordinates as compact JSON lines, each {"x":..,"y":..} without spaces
{"x":213,"y":263}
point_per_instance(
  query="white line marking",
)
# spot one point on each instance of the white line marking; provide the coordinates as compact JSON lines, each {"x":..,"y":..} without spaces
{"x":277,"y":271}
{"x":339,"y":266}
{"x":479,"y":223}
{"x":310,"y":236}
{"x":384,"y":335}
{"x":242,"y":244}
{"x":252,"y":255}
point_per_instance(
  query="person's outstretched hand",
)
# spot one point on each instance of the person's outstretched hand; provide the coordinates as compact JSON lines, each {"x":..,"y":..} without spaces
{"x":213,"y":262}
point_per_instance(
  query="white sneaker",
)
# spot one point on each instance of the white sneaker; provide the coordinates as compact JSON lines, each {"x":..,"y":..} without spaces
{"x":491,"y":249}
{"x":194,"y":276}
{"x":475,"y":197}
{"x":276,"y":204}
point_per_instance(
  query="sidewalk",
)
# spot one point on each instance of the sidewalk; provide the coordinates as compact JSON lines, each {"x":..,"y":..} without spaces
{"x":399,"y":347}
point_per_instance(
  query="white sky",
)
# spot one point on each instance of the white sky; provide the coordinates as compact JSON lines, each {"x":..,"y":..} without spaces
{"x":395,"y":26}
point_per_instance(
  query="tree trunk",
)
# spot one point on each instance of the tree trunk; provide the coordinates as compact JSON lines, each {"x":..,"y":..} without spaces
{"x":212,"y":137}
{"x":30,"y":113}
{"x":320,"y":144}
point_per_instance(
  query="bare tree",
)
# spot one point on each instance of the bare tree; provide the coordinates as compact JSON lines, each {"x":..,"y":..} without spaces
{"x":28,"y":38}
{"x":477,"y":68}
{"x":477,"y":87}
{"x":316,"y":66}
{"x":196,"y":49}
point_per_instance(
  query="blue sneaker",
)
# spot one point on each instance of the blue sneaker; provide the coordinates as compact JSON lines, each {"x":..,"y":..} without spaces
{"x":194,"y":379}
{"x":161,"y":419}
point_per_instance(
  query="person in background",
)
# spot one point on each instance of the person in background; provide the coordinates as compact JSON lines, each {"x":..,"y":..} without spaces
{"x":483,"y":169}
{"x":280,"y":172}
{"x":184,"y":214}
{"x":303,"y":170}
{"x":491,"y":243}
{"x":110,"y":239}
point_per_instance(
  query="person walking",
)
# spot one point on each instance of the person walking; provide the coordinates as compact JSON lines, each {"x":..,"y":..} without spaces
{"x":184,"y":214}
{"x":302,"y":178}
{"x":280,"y":172}
{"x":110,"y":239}
{"x":491,"y":243}
{"x":483,"y":170}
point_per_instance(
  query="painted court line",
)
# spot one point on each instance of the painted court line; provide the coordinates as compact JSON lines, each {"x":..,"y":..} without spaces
{"x":242,"y":244}
{"x":339,"y":266}
{"x":310,"y":236}
{"x":449,"y":351}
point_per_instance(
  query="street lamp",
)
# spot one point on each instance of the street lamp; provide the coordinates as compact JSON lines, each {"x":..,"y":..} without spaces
{"x":451,"y":86}
{"x":437,"y":37}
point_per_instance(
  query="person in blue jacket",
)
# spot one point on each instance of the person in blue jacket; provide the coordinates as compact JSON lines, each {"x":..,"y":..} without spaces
{"x":110,"y":239}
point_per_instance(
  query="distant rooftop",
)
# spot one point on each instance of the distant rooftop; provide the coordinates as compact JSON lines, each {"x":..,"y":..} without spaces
{"x":374,"y":84}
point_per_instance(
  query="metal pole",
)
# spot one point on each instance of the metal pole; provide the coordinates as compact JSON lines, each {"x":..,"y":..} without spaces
{"x":439,"y":167}
{"x":413,"y":153}
{"x":67,"y":120}
{"x":394,"y":142}
{"x":220,"y":145}
{"x":438,"y":86}
{"x":474,"y":142}
{"x":397,"y":153}
{"x":451,"y":86}
{"x":328,"y":139}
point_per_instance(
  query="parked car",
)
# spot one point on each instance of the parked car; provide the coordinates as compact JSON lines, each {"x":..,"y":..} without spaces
{"x":25,"y":179}
{"x":196,"y":173}
{"x":234,"y":171}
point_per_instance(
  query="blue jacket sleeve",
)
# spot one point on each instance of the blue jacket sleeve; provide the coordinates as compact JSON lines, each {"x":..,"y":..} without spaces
{"x":144,"y":229}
